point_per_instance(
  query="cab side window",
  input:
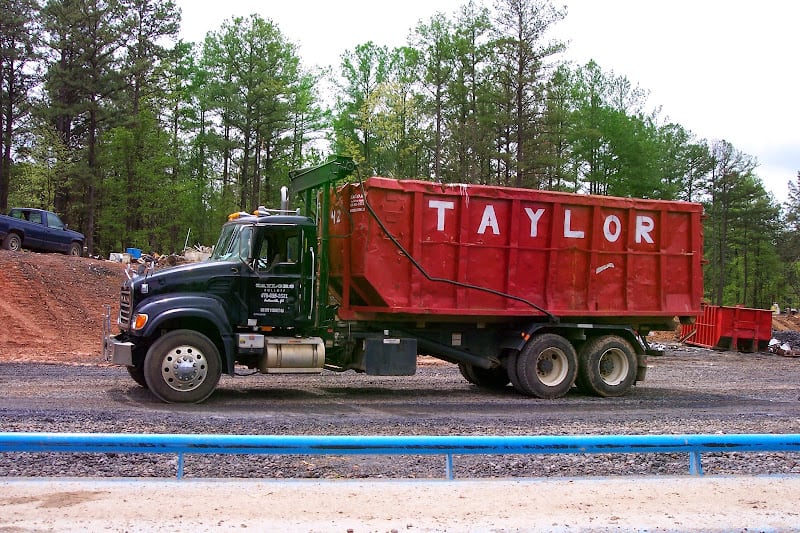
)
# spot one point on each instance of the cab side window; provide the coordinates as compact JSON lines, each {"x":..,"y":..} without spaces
{"x":279,"y":249}
{"x":265,"y":255}
{"x":293,"y":249}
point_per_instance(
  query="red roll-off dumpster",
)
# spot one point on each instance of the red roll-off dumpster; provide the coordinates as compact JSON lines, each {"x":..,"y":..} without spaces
{"x":730,"y":328}
{"x":615,"y":259}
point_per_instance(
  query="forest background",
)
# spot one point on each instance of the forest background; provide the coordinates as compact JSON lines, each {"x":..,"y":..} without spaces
{"x":139,"y":139}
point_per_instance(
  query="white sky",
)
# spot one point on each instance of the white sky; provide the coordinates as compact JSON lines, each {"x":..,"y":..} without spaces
{"x":722,"y":69}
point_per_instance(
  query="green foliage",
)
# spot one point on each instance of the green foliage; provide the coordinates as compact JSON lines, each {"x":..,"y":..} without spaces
{"x":263,"y":102}
{"x":18,"y":56}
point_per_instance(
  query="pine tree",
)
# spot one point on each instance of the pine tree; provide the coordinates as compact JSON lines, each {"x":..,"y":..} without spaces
{"x":18,"y":52}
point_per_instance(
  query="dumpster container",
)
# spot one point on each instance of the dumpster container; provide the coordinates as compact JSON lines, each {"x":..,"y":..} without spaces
{"x":579,"y":256}
{"x":730,"y":328}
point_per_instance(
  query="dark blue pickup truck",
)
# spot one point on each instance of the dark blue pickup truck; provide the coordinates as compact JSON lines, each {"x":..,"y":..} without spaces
{"x":37,"y":229}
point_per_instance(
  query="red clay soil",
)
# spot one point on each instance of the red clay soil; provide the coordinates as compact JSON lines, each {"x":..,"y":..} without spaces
{"x":52,"y":306}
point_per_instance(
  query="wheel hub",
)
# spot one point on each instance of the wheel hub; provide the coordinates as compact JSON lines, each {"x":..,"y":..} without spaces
{"x":552,"y":367}
{"x":184,"y":368}
{"x":613,"y":367}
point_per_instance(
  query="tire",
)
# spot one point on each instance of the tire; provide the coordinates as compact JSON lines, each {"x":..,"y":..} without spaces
{"x":75,"y":249}
{"x":13,"y":242}
{"x":182,"y":366}
{"x":511,"y":370}
{"x":488,"y":378}
{"x":607,"y":366}
{"x":464,"y":368}
{"x":137,"y":373}
{"x":547,"y":366}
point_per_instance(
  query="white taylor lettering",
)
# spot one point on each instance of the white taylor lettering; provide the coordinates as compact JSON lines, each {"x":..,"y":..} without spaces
{"x":569,"y":233}
{"x":612,"y":236}
{"x":534,"y":216}
{"x":440,"y":206}
{"x":644,"y":225}
{"x":489,"y":220}
{"x":612,"y":225}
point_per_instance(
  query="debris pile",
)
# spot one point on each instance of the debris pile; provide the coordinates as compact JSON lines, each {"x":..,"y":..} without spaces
{"x":193,"y":254}
{"x":782,"y":342}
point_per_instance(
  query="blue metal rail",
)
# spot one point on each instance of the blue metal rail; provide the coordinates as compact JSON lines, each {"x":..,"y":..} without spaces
{"x":447,"y":446}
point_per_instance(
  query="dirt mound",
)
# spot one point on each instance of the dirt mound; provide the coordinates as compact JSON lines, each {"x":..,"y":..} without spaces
{"x":786,"y":322}
{"x":52,"y":306}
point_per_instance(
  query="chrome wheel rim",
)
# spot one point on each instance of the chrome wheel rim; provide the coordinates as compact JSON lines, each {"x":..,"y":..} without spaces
{"x":184,"y":368}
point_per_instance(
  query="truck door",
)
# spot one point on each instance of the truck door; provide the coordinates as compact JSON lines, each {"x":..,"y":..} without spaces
{"x":278,"y":292}
{"x":56,"y":238}
{"x":35,"y":231}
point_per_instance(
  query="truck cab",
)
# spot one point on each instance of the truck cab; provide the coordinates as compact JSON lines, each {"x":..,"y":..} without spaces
{"x":276,"y":254}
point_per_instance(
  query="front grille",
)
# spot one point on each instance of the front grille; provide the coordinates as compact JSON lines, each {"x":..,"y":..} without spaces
{"x":125,"y":307}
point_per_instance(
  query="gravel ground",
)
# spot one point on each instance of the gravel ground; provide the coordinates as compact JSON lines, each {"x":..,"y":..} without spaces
{"x":689,"y":390}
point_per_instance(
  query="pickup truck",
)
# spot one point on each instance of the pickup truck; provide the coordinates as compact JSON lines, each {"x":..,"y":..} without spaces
{"x":40,"y":230}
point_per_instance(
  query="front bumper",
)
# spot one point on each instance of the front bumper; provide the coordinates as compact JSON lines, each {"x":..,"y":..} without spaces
{"x":116,"y":351}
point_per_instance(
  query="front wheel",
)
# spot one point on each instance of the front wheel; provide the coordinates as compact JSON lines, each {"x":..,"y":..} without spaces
{"x":182,"y":366}
{"x":607,"y":366}
{"x":137,"y":373}
{"x":546,"y":366}
{"x":75,"y":249}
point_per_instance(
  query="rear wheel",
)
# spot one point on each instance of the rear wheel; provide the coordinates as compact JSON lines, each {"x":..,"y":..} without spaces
{"x":182,"y":366}
{"x":511,"y":370}
{"x":12,"y":242}
{"x":490,"y":378}
{"x":464,"y":369}
{"x":547,"y":366}
{"x":607,"y":366}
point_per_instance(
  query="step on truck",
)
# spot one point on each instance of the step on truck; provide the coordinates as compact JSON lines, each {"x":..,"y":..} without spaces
{"x":543,"y":291}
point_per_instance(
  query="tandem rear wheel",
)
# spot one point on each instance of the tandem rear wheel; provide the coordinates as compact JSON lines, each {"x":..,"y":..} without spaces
{"x":545,"y":368}
{"x":549,"y":365}
{"x":606,"y":366}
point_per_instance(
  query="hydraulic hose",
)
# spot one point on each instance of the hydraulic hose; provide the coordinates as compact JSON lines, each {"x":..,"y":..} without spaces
{"x":435,"y":279}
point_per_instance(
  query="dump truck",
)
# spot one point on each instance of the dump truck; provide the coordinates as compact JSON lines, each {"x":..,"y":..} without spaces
{"x":543,"y":291}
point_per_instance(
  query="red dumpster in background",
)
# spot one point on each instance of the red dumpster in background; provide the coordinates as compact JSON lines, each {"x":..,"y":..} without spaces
{"x":730,"y":328}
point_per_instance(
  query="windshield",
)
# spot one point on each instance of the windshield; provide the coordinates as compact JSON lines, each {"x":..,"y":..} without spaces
{"x":233,"y":244}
